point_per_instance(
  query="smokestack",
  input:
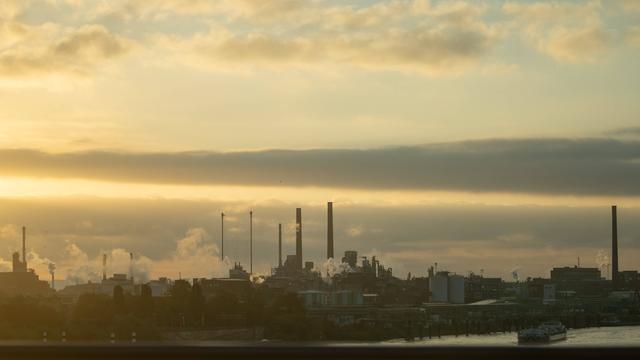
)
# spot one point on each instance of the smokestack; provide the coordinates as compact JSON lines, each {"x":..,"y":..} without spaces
{"x":222,"y":235}
{"x":250,"y":242}
{"x":52,"y":270}
{"x":104,"y":266}
{"x":299,"y":237}
{"x":280,"y":245}
{"x":614,"y":246}
{"x":330,"y":230}
{"x":131,"y":266}
{"x":24,"y":247}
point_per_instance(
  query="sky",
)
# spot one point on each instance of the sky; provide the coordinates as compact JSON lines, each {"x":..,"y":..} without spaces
{"x":486,"y":136}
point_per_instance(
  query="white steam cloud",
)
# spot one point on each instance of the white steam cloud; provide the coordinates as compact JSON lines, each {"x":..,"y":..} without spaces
{"x":603,"y":262}
{"x":194,"y":257}
{"x":80,"y":268}
{"x":332,"y":267}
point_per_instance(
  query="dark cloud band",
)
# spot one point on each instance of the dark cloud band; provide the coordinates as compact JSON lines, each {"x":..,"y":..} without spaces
{"x":539,"y":166}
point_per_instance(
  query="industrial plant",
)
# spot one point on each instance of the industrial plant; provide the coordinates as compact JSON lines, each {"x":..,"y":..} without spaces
{"x":360,"y":298}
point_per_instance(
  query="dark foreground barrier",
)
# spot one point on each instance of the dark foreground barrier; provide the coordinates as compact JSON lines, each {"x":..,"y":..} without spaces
{"x":312,"y":351}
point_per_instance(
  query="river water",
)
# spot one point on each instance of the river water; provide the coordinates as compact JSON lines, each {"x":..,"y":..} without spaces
{"x":603,"y":336}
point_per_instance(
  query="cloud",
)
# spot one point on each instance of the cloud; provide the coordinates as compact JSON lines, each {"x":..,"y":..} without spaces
{"x":355,"y":231}
{"x":629,"y":5}
{"x":567,"y":32}
{"x":194,"y":257}
{"x":571,"y":45}
{"x":76,"y":52}
{"x":538,"y":13}
{"x":392,"y":35}
{"x":633,"y":36}
{"x":10,"y":9}
{"x":426,"y":49}
{"x":234,"y":10}
{"x":536,"y":166}
{"x":427,"y":37}
{"x":631,"y":131}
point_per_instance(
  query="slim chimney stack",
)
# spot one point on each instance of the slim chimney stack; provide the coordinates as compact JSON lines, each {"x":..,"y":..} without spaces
{"x":131,"y":266}
{"x":24,"y":247}
{"x":52,"y":271}
{"x":330,"y":230}
{"x":222,"y":235}
{"x":614,"y":246}
{"x":299,"y":237}
{"x":280,"y":245}
{"x":104,"y":266}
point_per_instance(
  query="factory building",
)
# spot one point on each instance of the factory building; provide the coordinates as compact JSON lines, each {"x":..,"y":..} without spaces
{"x":238,"y":272}
{"x":23,"y":283}
{"x":580,"y":282}
{"x":22,"y":280}
{"x":160,"y":287}
{"x":350,"y":258}
{"x":549,"y":294}
{"x":575,"y":274}
{"x":104,"y":287}
{"x":628,"y":280}
{"x":478,"y":288}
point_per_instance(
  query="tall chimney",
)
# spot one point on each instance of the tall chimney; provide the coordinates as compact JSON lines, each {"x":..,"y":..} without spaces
{"x":104,"y":266}
{"x":131,"y":266}
{"x":222,"y":235}
{"x":24,"y":247}
{"x":614,"y":246}
{"x":280,"y":245}
{"x":250,"y":242}
{"x":52,"y":271}
{"x":299,"y":237}
{"x":330,"y":230}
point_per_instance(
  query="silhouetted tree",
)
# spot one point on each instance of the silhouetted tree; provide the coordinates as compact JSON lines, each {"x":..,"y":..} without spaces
{"x":286,"y":319}
{"x":179,"y":296}
{"x":92,"y":315}
{"x":26,"y":318}
{"x":255,"y":308}
{"x":118,"y":299}
{"x":196,"y":304}
{"x":143,"y":305}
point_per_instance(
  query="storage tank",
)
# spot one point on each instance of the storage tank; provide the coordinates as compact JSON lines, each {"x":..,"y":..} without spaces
{"x":456,"y":289}
{"x":438,"y":285}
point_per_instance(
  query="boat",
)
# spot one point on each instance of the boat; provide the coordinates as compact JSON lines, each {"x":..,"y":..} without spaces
{"x":546,"y":333}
